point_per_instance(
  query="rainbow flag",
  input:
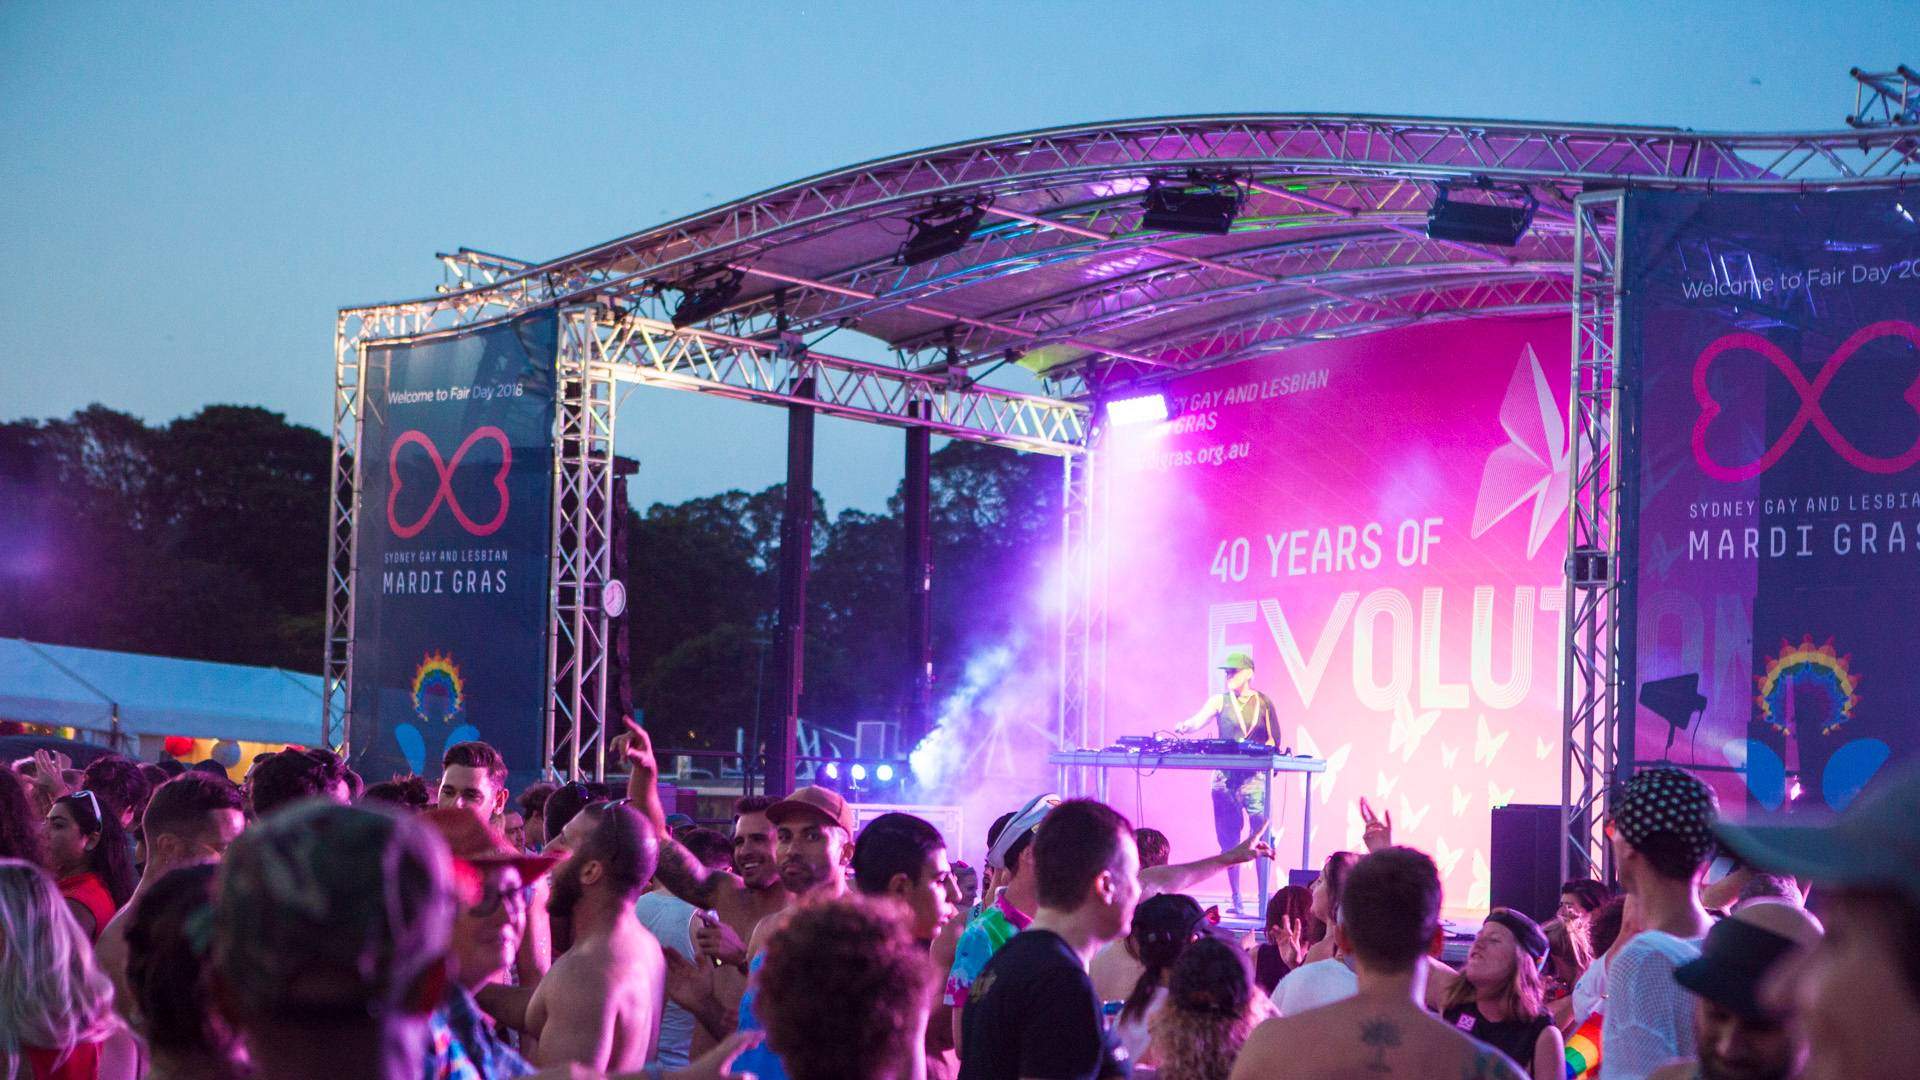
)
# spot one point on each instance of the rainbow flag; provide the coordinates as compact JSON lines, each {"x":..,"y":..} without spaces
{"x":1583,"y":1050}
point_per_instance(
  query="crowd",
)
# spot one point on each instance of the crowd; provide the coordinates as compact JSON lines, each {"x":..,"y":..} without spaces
{"x":165,"y":922}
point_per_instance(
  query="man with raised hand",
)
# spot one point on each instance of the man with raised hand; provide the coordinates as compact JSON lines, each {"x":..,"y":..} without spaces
{"x":741,"y":898}
{"x":1389,"y":917}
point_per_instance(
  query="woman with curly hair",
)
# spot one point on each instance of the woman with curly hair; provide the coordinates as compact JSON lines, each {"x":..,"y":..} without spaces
{"x":56,"y":1007}
{"x":1210,"y":1009}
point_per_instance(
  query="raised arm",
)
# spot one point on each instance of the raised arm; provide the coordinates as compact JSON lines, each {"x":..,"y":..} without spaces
{"x":1183,"y":876}
{"x":684,"y":875}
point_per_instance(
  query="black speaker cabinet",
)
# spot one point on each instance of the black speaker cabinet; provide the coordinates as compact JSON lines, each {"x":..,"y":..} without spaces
{"x":1525,"y":864}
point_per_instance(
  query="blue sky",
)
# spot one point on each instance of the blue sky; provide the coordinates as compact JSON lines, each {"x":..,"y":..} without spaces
{"x":189,"y":191}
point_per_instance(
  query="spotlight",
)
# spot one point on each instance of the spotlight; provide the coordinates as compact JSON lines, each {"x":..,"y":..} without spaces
{"x":1674,"y":700}
{"x":940,"y":231}
{"x":1481,"y":223}
{"x":883,"y":773}
{"x":704,"y":296}
{"x":1144,"y":409}
{"x":833,"y":770}
{"x":858,"y":772}
{"x":1204,"y":204}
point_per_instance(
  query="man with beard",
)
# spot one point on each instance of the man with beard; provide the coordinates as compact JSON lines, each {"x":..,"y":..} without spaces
{"x":813,"y":845}
{"x":742,"y":898}
{"x":1742,"y":1035}
{"x":600,"y":1004}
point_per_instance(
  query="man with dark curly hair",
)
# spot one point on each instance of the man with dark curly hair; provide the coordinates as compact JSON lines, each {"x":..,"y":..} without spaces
{"x":844,"y":993}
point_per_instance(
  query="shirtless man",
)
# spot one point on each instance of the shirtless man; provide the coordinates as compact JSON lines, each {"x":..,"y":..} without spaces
{"x":742,"y":898}
{"x":1388,"y":917}
{"x":600,"y":1004}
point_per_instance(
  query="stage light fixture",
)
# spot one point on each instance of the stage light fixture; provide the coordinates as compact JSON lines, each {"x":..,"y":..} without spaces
{"x":1205,"y":205}
{"x":940,"y":231}
{"x":1143,"y":409}
{"x":1677,"y":700}
{"x":858,"y":772}
{"x":833,"y":770}
{"x":705,"y":296}
{"x":883,"y":772}
{"x":1501,"y":224}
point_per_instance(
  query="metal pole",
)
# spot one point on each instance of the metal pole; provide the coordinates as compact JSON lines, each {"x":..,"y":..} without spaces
{"x":918,"y":567}
{"x":796,"y":552}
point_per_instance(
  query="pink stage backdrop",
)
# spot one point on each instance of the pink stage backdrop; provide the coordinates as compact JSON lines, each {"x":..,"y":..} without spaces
{"x":1380,"y":522}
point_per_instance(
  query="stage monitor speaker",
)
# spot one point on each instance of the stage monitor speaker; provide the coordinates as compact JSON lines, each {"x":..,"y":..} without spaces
{"x":1525,"y":868}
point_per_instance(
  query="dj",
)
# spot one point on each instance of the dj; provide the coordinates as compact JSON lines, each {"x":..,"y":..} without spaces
{"x":1242,"y":714}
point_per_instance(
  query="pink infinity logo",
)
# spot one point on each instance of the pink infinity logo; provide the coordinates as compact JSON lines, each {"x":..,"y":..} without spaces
{"x":1810,"y":411}
{"x":445,"y":491}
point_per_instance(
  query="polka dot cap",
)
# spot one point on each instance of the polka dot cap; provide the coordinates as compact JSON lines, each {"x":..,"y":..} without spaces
{"x":1666,"y":800}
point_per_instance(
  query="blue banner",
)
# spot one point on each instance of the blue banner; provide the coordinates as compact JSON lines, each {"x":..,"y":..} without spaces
{"x":1772,"y":345}
{"x":450,"y":585}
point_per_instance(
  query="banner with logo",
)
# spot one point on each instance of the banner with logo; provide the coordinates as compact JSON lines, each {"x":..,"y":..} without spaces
{"x":450,"y":589}
{"x":1379,"y":522}
{"x":1777,"y":346}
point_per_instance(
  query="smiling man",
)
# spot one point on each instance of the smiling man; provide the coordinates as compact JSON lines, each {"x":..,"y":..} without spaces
{"x":474,"y":777}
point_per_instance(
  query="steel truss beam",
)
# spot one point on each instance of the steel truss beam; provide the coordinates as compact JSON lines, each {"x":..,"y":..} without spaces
{"x":578,"y":629}
{"x":1083,"y":612}
{"x":1594,"y":703}
{"x":343,"y":487}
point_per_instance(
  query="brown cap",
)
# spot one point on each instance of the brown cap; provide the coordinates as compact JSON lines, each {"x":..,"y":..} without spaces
{"x":473,"y":843}
{"x":817,"y":802}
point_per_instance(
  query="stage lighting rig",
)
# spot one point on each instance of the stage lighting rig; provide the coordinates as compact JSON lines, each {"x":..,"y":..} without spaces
{"x":1205,"y":204}
{"x":940,"y":231}
{"x":705,"y":295}
{"x":1676,"y":700}
{"x":1501,"y":223}
{"x":1141,"y":409}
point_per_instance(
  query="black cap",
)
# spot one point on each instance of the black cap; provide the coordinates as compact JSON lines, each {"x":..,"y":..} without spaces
{"x":1735,"y":958}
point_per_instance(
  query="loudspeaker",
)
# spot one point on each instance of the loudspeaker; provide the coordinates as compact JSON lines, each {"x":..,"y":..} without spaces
{"x":1524,"y":873}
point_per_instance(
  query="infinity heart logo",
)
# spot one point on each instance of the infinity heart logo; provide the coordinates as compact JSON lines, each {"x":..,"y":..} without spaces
{"x":1809,"y":412}
{"x":444,"y":493}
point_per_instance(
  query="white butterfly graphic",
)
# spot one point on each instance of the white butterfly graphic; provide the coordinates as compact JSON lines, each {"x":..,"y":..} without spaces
{"x":1446,"y":857}
{"x":1408,"y":729}
{"x":1486,"y":744}
{"x":1409,"y":820}
{"x":1449,"y":755}
{"x":1532,"y":466}
{"x":1478,"y":892}
{"x":1542,"y":748}
{"x":1385,"y":784}
{"x":1460,"y":800}
{"x":1335,"y":762}
{"x":1498,"y":797}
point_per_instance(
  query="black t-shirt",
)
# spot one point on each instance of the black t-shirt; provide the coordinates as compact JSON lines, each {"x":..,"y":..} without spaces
{"x":1514,"y":1038}
{"x":1032,"y":1012}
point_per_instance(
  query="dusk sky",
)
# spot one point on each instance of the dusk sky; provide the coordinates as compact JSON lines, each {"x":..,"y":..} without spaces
{"x":190,"y":191}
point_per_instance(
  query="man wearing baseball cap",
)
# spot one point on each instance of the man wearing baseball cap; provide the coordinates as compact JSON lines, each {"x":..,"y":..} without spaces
{"x":1242,"y":714}
{"x":813,"y":846}
{"x":493,"y":883}
{"x":1660,"y":825}
{"x":1010,"y":912}
{"x":1742,"y":1033}
{"x":1857,"y":992}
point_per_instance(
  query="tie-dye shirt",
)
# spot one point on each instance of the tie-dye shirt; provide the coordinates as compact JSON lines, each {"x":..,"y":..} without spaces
{"x":982,"y":938}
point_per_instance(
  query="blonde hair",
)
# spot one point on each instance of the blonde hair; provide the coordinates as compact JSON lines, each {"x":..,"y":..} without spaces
{"x":1523,"y":997}
{"x":52,"y":996}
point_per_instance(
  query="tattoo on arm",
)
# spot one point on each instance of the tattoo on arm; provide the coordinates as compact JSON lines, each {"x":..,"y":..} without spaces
{"x":1381,"y":1035}
{"x":685,"y":876}
{"x":1488,"y":1065}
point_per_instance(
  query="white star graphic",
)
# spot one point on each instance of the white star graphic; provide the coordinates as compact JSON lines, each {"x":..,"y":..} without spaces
{"x":1533,"y":464}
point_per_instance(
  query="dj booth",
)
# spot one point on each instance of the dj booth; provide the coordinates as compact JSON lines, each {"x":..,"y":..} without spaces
{"x":1087,"y":772}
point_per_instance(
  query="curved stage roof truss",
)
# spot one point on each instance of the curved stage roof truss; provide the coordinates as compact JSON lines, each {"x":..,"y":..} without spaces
{"x":1059,"y":273}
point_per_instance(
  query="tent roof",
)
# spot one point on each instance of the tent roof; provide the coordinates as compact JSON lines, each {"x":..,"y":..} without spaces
{"x":156,"y":695}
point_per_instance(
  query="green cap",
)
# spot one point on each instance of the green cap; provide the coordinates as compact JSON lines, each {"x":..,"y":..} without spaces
{"x":1871,"y":845}
{"x":1237,"y":661}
